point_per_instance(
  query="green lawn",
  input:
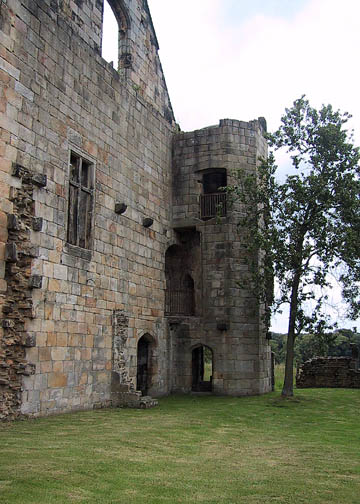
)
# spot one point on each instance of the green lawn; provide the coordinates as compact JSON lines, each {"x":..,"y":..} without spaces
{"x":190,"y":450}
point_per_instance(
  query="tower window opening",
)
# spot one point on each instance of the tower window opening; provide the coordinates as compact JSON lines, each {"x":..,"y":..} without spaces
{"x":213,"y":199}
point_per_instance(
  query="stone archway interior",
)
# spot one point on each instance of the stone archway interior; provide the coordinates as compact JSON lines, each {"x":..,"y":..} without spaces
{"x":143,"y":365}
{"x":202,"y":369}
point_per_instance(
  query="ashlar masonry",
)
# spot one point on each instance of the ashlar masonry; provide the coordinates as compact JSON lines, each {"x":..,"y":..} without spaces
{"x":122,"y":268}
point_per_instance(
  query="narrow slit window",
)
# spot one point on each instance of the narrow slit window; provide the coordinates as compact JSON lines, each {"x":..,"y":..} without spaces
{"x":81,"y":196}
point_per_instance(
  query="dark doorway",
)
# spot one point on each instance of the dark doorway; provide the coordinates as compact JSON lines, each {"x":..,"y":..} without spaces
{"x":143,"y":367}
{"x":202,"y":369}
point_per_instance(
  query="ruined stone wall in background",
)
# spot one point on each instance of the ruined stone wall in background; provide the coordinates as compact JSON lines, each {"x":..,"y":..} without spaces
{"x":332,"y":372}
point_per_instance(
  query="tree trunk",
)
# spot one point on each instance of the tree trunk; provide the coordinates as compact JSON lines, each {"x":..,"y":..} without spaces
{"x":288,"y":388}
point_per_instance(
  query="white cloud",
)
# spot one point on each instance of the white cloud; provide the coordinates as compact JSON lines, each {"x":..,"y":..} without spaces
{"x":256,"y":66}
{"x":217,"y":66}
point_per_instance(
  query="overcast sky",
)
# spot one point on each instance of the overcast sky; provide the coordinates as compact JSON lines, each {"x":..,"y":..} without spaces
{"x":242,"y":59}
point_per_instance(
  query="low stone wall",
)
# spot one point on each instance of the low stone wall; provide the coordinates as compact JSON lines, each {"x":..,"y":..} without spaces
{"x":341,"y":372}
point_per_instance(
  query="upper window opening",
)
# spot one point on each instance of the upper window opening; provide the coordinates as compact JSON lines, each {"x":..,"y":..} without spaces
{"x":81,"y":196}
{"x":213,"y":199}
{"x":110,"y":36}
{"x":213,"y":181}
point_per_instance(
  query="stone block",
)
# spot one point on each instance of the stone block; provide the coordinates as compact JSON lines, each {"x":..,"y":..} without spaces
{"x":12,"y":222}
{"x":39,"y":179}
{"x":57,"y":380}
{"x":37,"y":223}
{"x":8,"y":323}
{"x":35,"y":282}
{"x":11,"y":254}
{"x":30,"y":340}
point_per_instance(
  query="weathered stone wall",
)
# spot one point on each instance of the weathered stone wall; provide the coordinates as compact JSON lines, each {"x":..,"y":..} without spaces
{"x":18,"y":306}
{"x":231,"y":322}
{"x":73,"y":313}
{"x":332,"y":372}
{"x":59,"y":95}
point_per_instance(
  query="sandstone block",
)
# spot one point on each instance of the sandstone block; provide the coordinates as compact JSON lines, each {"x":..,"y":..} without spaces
{"x":57,"y":380}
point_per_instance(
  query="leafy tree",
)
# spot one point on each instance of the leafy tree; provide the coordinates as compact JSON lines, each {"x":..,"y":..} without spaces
{"x":342,"y":341}
{"x":308,"y":346}
{"x":278,"y":346}
{"x":308,"y":226}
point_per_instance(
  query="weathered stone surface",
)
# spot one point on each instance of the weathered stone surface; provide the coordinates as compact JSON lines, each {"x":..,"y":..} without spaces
{"x":13,"y":363}
{"x":35,"y":282}
{"x":57,"y":380}
{"x":11,"y":252}
{"x":92,"y":323}
{"x":37,"y":223}
{"x":13,"y":223}
{"x":332,"y":372}
{"x":147,"y":222}
{"x":39,"y":180}
{"x":120,"y":208}
{"x":30,"y":340}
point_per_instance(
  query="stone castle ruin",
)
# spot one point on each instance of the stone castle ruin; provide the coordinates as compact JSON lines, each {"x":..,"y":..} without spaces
{"x":122,"y":266}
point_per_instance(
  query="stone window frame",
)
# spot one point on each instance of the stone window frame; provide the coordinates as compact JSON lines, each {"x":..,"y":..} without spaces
{"x":206,"y":174}
{"x":121,"y":15}
{"x":85,"y":252}
{"x":213,"y":203}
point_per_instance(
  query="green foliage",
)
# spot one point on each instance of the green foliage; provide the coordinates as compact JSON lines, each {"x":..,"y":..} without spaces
{"x":307,"y":346}
{"x":278,"y":346}
{"x":307,"y":226}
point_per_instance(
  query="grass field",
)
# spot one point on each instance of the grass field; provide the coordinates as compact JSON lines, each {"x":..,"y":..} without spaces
{"x":190,"y":450}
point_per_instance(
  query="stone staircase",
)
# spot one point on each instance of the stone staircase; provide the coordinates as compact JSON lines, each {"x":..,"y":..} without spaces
{"x":125,"y":396}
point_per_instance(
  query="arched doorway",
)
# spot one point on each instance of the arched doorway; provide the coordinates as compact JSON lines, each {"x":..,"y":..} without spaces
{"x":202,"y":369}
{"x":144,"y":364}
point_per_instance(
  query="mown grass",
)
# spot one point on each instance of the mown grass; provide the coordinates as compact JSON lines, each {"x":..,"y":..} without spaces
{"x":190,"y":450}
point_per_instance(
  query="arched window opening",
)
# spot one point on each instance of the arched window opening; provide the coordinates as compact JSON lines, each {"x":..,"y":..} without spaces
{"x":180,"y":289}
{"x":202,"y":369}
{"x":144,"y":364}
{"x":110,"y":36}
{"x":213,"y":199}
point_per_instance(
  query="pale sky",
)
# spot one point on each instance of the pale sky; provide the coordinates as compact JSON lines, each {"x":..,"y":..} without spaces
{"x":242,"y":59}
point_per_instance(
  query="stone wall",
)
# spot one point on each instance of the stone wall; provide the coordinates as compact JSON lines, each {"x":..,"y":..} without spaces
{"x":96,"y":185}
{"x":60,"y":96}
{"x":230,"y":322}
{"x":18,"y":307}
{"x":332,"y":372}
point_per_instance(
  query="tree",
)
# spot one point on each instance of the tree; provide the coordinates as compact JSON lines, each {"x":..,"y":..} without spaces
{"x":308,"y":226}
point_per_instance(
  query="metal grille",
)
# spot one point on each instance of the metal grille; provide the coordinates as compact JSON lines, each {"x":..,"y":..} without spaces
{"x":212,"y":205}
{"x":179,"y":302}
